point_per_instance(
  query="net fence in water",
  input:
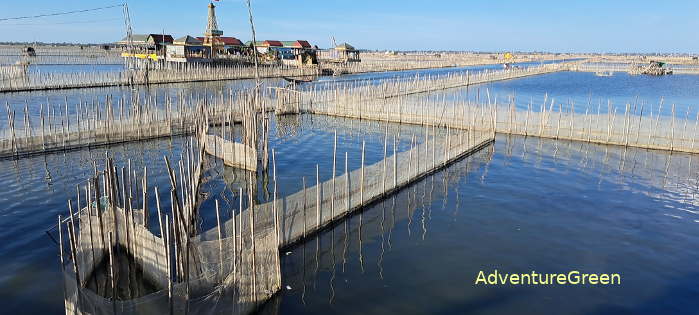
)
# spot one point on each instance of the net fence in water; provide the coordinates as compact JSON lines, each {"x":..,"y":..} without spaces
{"x":232,"y":275}
{"x":116,"y":265}
{"x":312,"y":209}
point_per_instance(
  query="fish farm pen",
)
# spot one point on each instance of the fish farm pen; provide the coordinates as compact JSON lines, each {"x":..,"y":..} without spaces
{"x":196,"y":188}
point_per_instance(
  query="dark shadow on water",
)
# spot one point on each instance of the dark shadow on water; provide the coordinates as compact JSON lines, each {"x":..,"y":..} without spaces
{"x":678,"y":298}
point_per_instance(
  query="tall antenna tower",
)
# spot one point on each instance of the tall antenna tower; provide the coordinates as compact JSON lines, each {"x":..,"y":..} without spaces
{"x":212,"y":34}
{"x":212,"y":26}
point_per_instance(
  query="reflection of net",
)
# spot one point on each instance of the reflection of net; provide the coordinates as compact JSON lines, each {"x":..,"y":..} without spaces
{"x":316,"y":207}
{"x":123,"y":268}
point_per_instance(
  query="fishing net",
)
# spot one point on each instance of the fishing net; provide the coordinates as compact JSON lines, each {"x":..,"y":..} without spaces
{"x":117,"y":265}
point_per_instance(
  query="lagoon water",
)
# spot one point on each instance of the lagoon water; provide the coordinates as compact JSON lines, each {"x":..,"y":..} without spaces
{"x":521,"y":205}
{"x":622,"y":88}
{"x":585,"y":90}
{"x":525,"y":205}
{"x":35,"y":190}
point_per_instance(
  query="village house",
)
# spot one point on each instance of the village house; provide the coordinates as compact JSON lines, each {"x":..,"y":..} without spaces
{"x":226,"y":45}
{"x":342,"y":53}
{"x":188,"y":49}
{"x":146,"y":42}
{"x":297,"y":52}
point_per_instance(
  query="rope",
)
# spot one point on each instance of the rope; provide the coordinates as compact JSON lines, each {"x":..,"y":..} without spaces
{"x":60,"y":13}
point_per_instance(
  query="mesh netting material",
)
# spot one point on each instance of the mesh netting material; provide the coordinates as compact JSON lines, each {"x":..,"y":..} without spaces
{"x":233,"y":154}
{"x":305,"y":212}
{"x":190,"y":275}
{"x":223,"y":275}
{"x":631,"y":127}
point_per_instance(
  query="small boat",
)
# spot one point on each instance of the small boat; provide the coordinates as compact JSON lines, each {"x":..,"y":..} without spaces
{"x":604,"y":73}
{"x":299,"y":80}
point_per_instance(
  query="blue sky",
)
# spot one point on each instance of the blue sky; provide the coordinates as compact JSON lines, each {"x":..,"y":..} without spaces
{"x":478,"y":25}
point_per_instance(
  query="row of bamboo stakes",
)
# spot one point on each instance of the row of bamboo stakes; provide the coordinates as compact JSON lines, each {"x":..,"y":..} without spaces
{"x":145,"y":72}
{"x":640,"y":125}
{"x":460,"y":114}
{"x":465,"y":141}
{"x":361,"y":90}
{"x":97,"y":123}
{"x":64,"y":60}
{"x":190,"y":213}
{"x":612,"y":163}
{"x":383,"y":220}
{"x":172,"y":73}
{"x":177,"y":230}
{"x":274,"y":167}
{"x":616,"y":67}
{"x":371,"y":63}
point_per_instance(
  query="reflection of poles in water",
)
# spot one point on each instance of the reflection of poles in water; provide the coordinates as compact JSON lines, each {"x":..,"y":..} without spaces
{"x":411,"y":199}
{"x":429,"y":213}
{"x":539,"y":149}
{"x":423,"y":200}
{"x":361,"y":178}
{"x":634,"y":162}
{"x":303,"y":274}
{"x":359,"y":232}
{"x":508,"y":149}
{"x":584,"y":150}
{"x":332,"y":194}
{"x":424,"y":208}
{"x":47,"y":174}
{"x":315,"y":274}
{"x":622,"y":164}
{"x":668,"y":161}
{"x":445,"y":186}
{"x":457,"y":193}
{"x":487,"y":165}
{"x":412,"y":205}
{"x":491,"y":152}
{"x":303,"y":183}
{"x":385,"y":144}
{"x":604,"y":167}
{"x":347,"y":208}
{"x":393,"y":220}
{"x":383,"y":239}
{"x":318,"y":190}
{"x":288,"y":125}
{"x":427,"y":209}
{"x":344,"y":250}
{"x":696,"y":183}
{"x":332,"y":274}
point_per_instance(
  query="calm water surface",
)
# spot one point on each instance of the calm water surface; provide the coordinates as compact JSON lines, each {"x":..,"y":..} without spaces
{"x":518,"y":206}
{"x":35,"y":190}
{"x":585,"y":90}
{"x":524,"y":205}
